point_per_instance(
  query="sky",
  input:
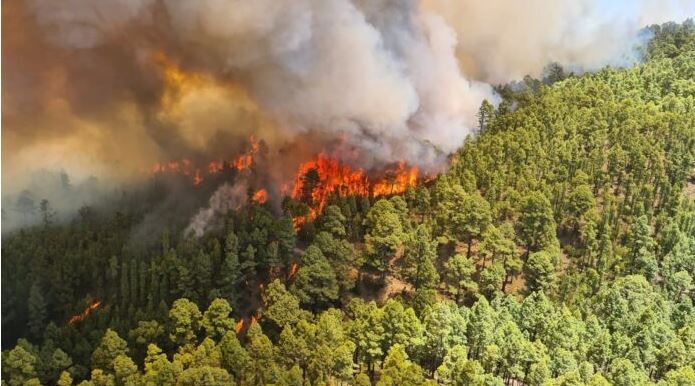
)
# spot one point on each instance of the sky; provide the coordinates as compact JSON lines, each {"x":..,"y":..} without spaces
{"x":658,"y":11}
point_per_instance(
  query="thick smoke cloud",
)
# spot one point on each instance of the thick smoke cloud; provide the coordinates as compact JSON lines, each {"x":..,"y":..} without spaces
{"x":110,"y":87}
{"x":388,"y":84}
{"x":501,"y":40}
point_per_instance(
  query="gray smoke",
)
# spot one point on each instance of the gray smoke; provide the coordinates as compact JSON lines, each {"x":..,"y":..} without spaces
{"x":227,"y":197}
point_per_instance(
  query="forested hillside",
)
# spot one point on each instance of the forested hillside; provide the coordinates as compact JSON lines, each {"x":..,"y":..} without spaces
{"x":558,"y":249}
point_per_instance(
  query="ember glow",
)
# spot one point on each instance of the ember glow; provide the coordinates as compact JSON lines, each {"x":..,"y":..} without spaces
{"x":245,"y":160}
{"x":82,"y":315}
{"x":260,"y":197}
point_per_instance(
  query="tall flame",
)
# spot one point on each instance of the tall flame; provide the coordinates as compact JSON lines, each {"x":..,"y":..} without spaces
{"x":318,"y":179}
{"x":324,"y":176}
{"x":395,"y":181}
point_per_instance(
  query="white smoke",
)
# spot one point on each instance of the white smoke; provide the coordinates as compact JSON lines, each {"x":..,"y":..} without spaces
{"x":502,"y":40}
{"x":227,"y":197}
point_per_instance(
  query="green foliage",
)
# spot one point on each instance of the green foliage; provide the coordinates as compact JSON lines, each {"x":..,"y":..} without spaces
{"x":419,"y":260}
{"x":540,"y":271}
{"x":384,"y":234}
{"x":185,"y":318}
{"x":110,"y":348}
{"x":216,"y":320}
{"x":333,"y":221}
{"x":37,"y":310}
{"x":18,"y":367}
{"x":398,"y":370}
{"x":282,"y":307}
{"x":459,"y":271}
{"x":315,"y":282}
{"x":536,"y":223}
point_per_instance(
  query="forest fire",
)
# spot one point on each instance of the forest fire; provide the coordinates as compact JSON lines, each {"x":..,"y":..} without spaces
{"x":324,"y":176}
{"x":315,"y":182}
{"x":82,"y":315}
{"x":197,"y":173}
{"x":395,"y":181}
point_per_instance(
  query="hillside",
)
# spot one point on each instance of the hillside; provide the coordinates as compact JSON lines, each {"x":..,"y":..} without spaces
{"x":557,"y":249}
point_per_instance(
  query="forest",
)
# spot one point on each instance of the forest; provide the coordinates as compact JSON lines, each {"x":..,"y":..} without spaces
{"x":557,"y":249}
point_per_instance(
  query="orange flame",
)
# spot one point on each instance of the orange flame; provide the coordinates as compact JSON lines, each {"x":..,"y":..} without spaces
{"x":82,"y":315}
{"x":245,"y":160}
{"x":260,"y":197}
{"x":298,"y":221}
{"x":239,"y":325}
{"x":185,"y":166}
{"x":293,"y":270}
{"x":395,"y":181}
{"x":318,"y":179}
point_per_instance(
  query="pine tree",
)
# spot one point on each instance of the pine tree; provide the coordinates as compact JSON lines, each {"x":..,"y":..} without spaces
{"x":459,"y":271}
{"x":315,"y":282}
{"x":539,"y":272}
{"x":333,"y":221}
{"x":641,"y":244}
{"x":230,"y":272}
{"x":537,"y":225}
{"x":185,"y":318}
{"x":125,"y":285}
{"x":37,"y":310}
{"x":418,"y":262}
{"x":18,"y":367}
{"x":385,"y":235}
{"x":486,"y":113}
{"x":248,"y":262}
{"x":217,"y":320}
{"x":110,"y":347}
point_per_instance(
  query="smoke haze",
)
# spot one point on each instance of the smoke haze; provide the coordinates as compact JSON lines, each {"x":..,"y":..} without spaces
{"x":227,"y":197}
{"x":108,"y":88}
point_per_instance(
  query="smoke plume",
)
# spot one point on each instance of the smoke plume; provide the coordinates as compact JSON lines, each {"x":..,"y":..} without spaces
{"x":108,"y":88}
{"x":225,"y":198}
